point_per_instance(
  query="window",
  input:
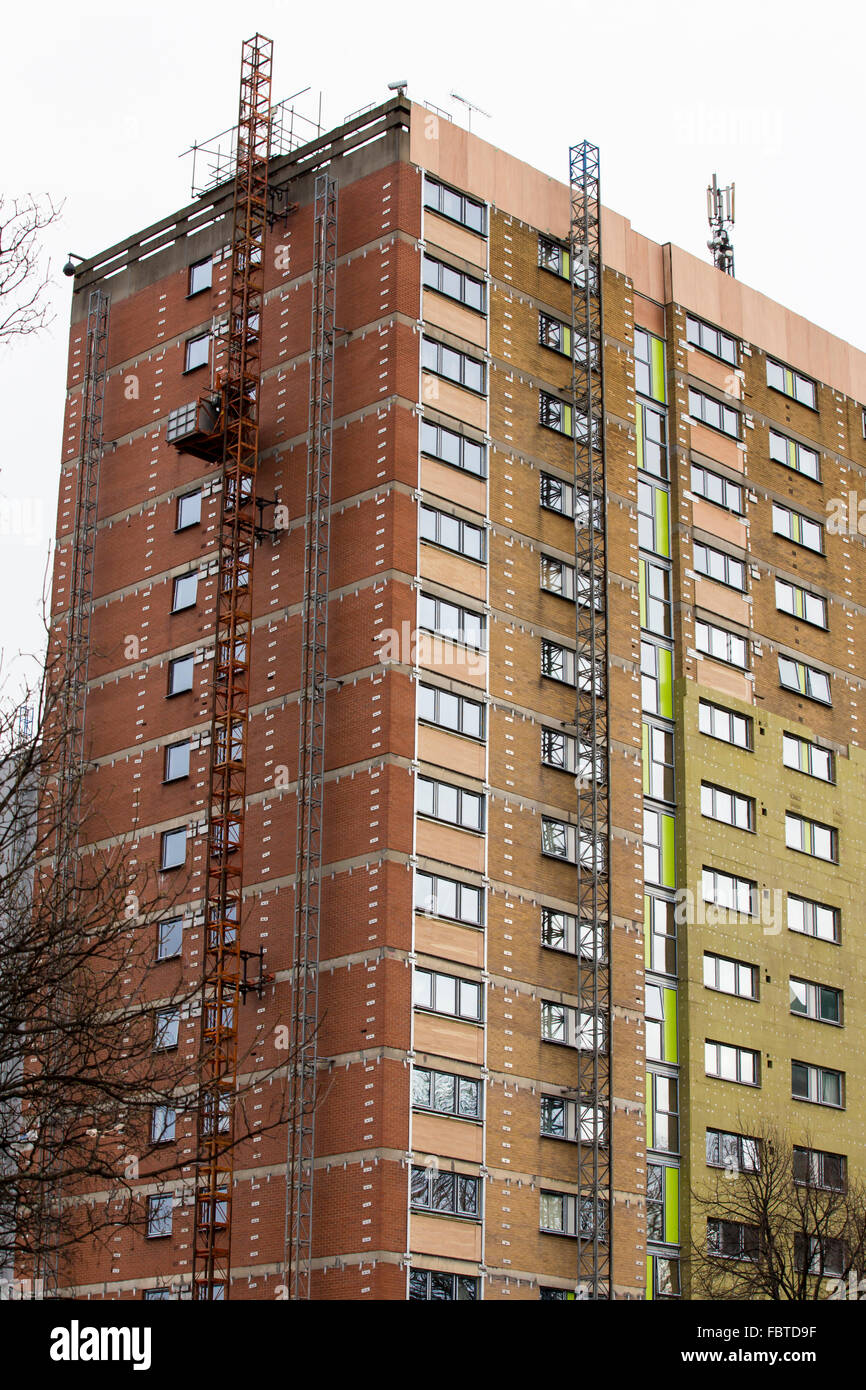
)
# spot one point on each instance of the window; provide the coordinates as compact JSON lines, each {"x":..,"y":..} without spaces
{"x":656,"y":680}
{"x":726,"y":890}
{"x":169,"y":938}
{"x":557,"y":663}
{"x":456,"y":284}
{"x":445,"y":994}
{"x":180,"y":674}
{"x":159,"y":1211}
{"x":188,"y":510}
{"x":457,"y":206}
{"x":553,"y":257}
{"x":811,"y":837}
{"x":658,"y":762}
{"x":445,"y":897}
{"x":451,"y":447}
{"x":557,"y":495}
{"x":665,"y":1276}
{"x":200,"y":276}
{"x":561,"y":1118}
{"x":156,"y":1295}
{"x":730,"y":976}
{"x":812,"y":918}
{"x":798,"y":528}
{"x":730,"y":1063}
{"x":560,"y":1023}
{"x":177,"y":761}
{"x":711,"y":340}
{"x":655,"y":598}
{"x":790,"y":383}
{"x":559,"y":932}
{"x":664,"y":1098}
{"x":725,"y":724}
{"x":560,"y":840}
{"x":451,"y":621}
{"x":554,"y":334}
{"x":457,"y":1194}
{"x":439,"y":528}
{"x":655,"y":1201}
{"x":732,"y":808}
{"x":718,"y":565}
{"x":815,"y":1001}
{"x":557,"y":577}
{"x":714,"y":413}
{"x":658,"y":848}
{"x":649,"y":365}
{"x":173,"y":852}
{"x":712,"y":487}
{"x":733,"y":1240}
{"x":806,"y":680}
{"x":559,"y":1215}
{"x":811,"y":758}
{"x":547,"y":1294}
{"x":814,"y":1168}
{"x":820,"y":1085}
{"x":722,"y":645}
{"x":790,"y":598}
{"x":661,"y":930}
{"x":165,"y":1029}
{"x":454,"y":712}
{"x":554,"y":414}
{"x":453,"y":365}
{"x":825,"y":1254}
{"x":652,"y":519}
{"x":738,"y":1153}
{"x":432,"y":1286}
{"x":197,"y":352}
{"x":651,"y":439}
{"x":559,"y":750}
{"x":794,"y":455}
{"x":454,"y":805}
{"x":446,"y":1093}
{"x":162,"y":1124}
{"x":184,"y":593}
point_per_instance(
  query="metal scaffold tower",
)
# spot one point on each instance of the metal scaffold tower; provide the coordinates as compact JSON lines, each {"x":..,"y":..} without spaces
{"x":311,"y":748}
{"x":594,"y":1186}
{"x":73,"y":697}
{"x":224,"y":984}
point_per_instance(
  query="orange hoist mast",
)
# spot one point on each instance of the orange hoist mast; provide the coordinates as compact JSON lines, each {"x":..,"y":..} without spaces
{"x":223,"y":985}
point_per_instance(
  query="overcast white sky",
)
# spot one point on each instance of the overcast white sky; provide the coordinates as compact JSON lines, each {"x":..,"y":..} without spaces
{"x":97,"y":100}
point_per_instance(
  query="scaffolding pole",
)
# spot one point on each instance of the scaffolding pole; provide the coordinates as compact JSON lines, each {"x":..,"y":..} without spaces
{"x":223,"y":981}
{"x":594,"y":1186}
{"x":73,"y":699}
{"x":311,"y":749}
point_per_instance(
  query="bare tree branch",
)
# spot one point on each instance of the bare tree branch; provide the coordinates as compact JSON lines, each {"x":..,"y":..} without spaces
{"x":24,"y":273}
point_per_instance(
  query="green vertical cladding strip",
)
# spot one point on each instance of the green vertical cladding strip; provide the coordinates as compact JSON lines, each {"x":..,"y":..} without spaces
{"x":647,"y":929}
{"x":645,"y":758}
{"x":650,"y":1131}
{"x":566,"y":419}
{"x":669,"y":873}
{"x":789,"y":382}
{"x":649,"y":1276}
{"x":671,"y":1053}
{"x":642,"y":596}
{"x":566,"y":265}
{"x":798,"y":602}
{"x":801,"y":676}
{"x":666,"y":685}
{"x":672,"y":1206}
{"x":663,"y":539}
{"x":658,"y":369}
{"x":638,"y":435}
{"x":566,"y":340}
{"x":792,"y":454}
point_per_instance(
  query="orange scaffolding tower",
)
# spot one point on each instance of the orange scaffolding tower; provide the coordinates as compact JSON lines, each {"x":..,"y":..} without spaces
{"x":223,"y":986}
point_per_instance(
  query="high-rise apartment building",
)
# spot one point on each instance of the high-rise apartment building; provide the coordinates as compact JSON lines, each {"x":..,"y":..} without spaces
{"x":585,"y":918}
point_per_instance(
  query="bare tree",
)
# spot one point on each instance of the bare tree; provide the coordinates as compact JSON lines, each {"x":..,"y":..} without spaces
{"x":24,"y":271}
{"x":88,"y":1068}
{"x":779,"y":1222}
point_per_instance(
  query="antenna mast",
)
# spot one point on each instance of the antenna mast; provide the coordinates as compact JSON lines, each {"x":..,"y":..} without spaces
{"x":720,"y":215}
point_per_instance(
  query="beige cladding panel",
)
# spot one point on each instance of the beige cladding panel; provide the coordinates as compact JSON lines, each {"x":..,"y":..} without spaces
{"x":716,"y":522}
{"x":724,"y":680}
{"x":445,"y":1037}
{"x":717,"y":446}
{"x":449,"y":845}
{"x":443,"y":313}
{"x":464,"y":576}
{"x":461,"y":944}
{"x":438,"y":231}
{"x":441,"y":1134}
{"x":721,"y":601}
{"x":454,"y":400}
{"x":448,"y":659}
{"x":450,"y":751}
{"x":442,"y":1235}
{"x":456,"y":486}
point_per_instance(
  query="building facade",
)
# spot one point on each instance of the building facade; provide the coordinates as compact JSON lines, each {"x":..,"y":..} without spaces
{"x":449,"y":1118}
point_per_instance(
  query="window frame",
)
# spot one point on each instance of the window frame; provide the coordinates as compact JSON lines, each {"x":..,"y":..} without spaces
{"x":460,"y":983}
{"x":173,"y":664}
{"x":738,"y":884}
{"x":166,"y":1024}
{"x":177,"y":589}
{"x":741,"y":1140}
{"x":458,"y":635}
{"x":728,"y":562}
{"x":464,"y":198}
{"x":160,"y":1212}
{"x":436,"y":784}
{"x":733,"y":715}
{"x":792,"y":450}
{"x":741,"y":1053}
{"x":730,"y":639}
{"x":795,"y":378}
{"x":805,"y":595}
{"x":464,"y":359}
{"x":716,"y":792}
{"x":814,"y":992}
{"x":808,"y":747}
{"x":166,"y":1133}
{"x":465,"y":279}
{"x":807,"y":692}
{"x":719,"y":961}
{"x":797,"y":521}
{"x":181,"y":525}
{"x":192,"y":288}
{"x":189,"y":343}
{"x":567,"y":493}
{"x":727,"y":413}
{"x":173,"y":922}
{"x":727,"y":483}
{"x":460,"y":888}
{"x":462,"y":527}
{"x":462,"y":702}
{"x":816,"y":1073}
{"x":815,"y":1176}
{"x":455,"y":1110}
{"x":445,"y":1178}
{"x":700,"y":325}
{"x":811,"y":906}
{"x":171,"y":748}
{"x":463,"y":440}
{"x":808,"y":837}
{"x":167,"y":837}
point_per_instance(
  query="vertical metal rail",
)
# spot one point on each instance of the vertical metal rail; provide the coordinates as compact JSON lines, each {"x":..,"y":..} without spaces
{"x":231,"y":675}
{"x":311,"y":747}
{"x":594,"y":1185}
{"x":73,"y":700}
